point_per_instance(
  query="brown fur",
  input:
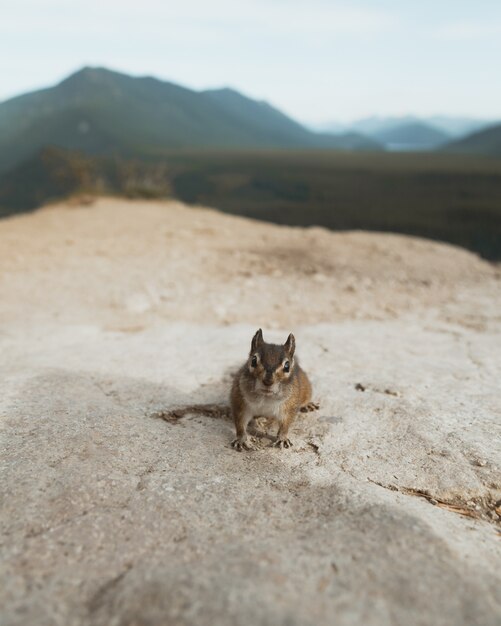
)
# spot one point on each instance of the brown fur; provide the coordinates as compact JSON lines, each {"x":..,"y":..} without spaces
{"x":263,"y":387}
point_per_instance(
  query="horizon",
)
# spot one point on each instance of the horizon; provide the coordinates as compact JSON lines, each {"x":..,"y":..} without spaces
{"x":317,"y":62}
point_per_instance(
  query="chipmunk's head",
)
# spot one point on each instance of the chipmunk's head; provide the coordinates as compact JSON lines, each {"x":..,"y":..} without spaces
{"x":270,"y":364}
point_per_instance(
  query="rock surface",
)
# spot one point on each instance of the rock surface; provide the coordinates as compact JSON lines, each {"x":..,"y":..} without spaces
{"x":122,"y":502}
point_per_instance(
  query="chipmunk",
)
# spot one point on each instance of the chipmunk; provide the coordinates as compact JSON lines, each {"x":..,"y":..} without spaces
{"x":270,"y":384}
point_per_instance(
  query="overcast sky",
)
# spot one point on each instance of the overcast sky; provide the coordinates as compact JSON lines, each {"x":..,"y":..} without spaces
{"x":317,"y":61}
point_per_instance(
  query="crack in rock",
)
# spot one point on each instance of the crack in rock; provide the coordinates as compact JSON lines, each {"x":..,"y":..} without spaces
{"x":479,"y":507}
{"x":217,"y":411}
{"x":97,"y":599}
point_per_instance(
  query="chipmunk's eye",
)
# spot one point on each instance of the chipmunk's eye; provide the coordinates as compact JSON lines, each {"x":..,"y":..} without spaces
{"x":287,"y":366}
{"x":254,"y":361}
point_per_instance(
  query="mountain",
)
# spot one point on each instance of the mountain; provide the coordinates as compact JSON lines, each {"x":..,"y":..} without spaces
{"x":486,"y":141}
{"x":253,"y":116}
{"x":377,"y":128}
{"x":398,"y":133}
{"x":102,"y":112}
{"x":411,"y":136}
{"x":457,"y":126}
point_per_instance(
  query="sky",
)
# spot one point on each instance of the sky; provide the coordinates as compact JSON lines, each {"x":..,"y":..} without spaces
{"x":317,"y":61}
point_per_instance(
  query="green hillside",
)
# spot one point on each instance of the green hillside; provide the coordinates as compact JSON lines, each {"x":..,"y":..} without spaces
{"x":101,"y":112}
{"x":53,"y":174}
{"x":487,"y":141}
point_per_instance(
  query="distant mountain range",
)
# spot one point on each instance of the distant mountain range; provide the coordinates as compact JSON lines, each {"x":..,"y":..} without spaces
{"x":411,"y":136}
{"x":101,"y":112}
{"x":451,"y":126}
{"x":410,"y":132}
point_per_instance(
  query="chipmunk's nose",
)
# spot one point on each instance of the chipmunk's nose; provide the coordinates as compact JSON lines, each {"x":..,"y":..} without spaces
{"x":268,"y":379}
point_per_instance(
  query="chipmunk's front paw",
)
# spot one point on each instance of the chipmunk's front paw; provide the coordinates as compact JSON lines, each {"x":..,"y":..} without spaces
{"x":242,"y":443}
{"x":311,"y":406}
{"x":283,"y":442}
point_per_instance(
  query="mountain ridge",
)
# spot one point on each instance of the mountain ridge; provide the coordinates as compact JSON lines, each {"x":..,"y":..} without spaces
{"x":486,"y":141}
{"x":454,"y":126}
{"x":104,"y":112}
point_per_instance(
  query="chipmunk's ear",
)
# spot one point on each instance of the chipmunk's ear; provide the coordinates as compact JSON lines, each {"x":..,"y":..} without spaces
{"x":290,"y":345}
{"x":257,"y":340}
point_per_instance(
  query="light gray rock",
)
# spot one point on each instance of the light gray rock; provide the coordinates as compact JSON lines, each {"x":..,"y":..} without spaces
{"x":111,"y":516}
{"x":382,"y":512}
